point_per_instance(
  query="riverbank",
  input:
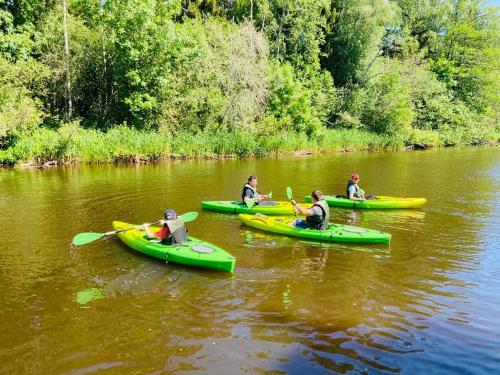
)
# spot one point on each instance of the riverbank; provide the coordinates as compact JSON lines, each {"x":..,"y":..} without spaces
{"x":73,"y":144}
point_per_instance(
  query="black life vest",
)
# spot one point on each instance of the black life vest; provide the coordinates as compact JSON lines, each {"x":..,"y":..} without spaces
{"x":244,"y":191}
{"x":349,"y":184}
{"x":317,"y":221}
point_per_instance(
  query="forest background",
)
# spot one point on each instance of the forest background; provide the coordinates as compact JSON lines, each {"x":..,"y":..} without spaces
{"x":109,"y":80}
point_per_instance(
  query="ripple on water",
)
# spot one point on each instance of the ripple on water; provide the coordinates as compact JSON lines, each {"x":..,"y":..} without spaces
{"x":426,"y":303}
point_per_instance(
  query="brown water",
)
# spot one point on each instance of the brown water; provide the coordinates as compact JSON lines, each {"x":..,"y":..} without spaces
{"x":429,"y":302}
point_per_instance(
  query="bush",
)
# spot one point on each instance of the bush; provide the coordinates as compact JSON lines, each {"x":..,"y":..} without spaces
{"x":217,"y":78}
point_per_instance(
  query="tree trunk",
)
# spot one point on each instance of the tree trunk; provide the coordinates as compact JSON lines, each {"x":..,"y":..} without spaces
{"x":69,"y":112}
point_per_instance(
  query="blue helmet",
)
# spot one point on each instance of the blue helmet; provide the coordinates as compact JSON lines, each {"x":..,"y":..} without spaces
{"x":170,"y":214}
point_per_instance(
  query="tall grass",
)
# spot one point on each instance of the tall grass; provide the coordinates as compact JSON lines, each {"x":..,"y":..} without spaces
{"x":71,"y":143}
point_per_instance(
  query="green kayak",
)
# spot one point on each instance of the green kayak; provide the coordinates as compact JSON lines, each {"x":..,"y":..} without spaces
{"x":334,"y":233}
{"x":382,"y":202}
{"x":193,"y":252}
{"x":237,"y":207}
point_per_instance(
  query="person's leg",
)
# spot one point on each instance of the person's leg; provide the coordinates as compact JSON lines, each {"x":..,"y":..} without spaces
{"x":299,"y":223}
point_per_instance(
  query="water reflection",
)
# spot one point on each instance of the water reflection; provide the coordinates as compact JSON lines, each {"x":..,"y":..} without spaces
{"x":429,"y":301}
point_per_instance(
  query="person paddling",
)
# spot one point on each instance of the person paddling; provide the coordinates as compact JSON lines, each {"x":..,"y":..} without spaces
{"x":317,"y":216}
{"x":250,"y":191}
{"x":353,"y":191}
{"x":172,"y":232}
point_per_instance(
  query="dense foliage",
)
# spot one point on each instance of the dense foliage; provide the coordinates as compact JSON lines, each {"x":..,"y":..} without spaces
{"x":411,"y":71}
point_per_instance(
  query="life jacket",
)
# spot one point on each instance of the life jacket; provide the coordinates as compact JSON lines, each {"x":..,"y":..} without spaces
{"x":163,"y":233}
{"x":317,"y":221}
{"x":178,"y":231}
{"x":248,"y":187}
{"x":349,"y":184}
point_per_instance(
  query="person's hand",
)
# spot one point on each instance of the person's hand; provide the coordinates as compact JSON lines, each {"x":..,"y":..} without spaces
{"x":293,"y":201}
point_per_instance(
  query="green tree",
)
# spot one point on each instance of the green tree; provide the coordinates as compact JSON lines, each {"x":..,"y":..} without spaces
{"x":467,"y":58}
{"x":217,"y":77}
{"x":354,"y":33}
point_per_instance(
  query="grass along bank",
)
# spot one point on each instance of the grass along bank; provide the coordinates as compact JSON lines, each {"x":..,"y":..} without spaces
{"x":70,"y":144}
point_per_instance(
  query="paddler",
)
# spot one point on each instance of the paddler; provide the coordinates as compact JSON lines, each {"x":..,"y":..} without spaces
{"x":173,"y":230}
{"x":317,"y":216}
{"x":353,"y":191}
{"x":249,"y":191}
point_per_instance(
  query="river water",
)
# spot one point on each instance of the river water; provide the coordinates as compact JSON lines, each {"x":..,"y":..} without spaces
{"x":428,"y":303}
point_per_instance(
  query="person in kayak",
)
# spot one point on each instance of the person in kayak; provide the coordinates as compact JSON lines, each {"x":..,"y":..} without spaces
{"x":317,"y":216}
{"x":353,"y":191}
{"x":250,"y":191}
{"x":173,"y":230}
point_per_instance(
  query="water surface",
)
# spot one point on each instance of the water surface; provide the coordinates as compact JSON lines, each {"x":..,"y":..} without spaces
{"x":429,"y":302}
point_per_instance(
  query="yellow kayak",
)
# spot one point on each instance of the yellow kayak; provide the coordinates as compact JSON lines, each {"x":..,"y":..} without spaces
{"x":334,"y":233}
{"x":381,"y":202}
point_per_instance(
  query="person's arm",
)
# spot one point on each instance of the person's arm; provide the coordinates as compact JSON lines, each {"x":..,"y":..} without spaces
{"x":352,"y":190}
{"x":262,"y":196}
{"x":247,"y":196}
{"x":303,"y":211}
{"x":351,"y":196}
{"x":150,"y":234}
{"x":362,"y":194}
{"x":246,"y":199}
{"x":258,"y":197}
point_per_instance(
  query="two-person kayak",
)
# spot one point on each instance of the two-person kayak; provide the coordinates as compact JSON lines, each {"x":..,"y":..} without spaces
{"x":334,"y":233}
{"x":192,"y":252}
{"x":238,"y":207}
{"x":381,"y":202}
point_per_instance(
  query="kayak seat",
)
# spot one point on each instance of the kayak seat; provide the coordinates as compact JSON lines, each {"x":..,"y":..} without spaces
{"x":267,"y":203}
{"x":262,"y":204}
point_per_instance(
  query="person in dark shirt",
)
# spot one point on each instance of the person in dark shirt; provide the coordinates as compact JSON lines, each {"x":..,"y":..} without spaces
{"x":249,"y":191}
{"x":317,"y":216}
{"x":353,"y":191}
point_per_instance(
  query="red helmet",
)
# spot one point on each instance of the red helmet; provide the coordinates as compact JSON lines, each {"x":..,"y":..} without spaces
{"x":355,"y":176}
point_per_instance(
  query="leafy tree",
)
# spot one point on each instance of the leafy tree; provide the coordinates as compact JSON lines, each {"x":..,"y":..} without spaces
{"x":354,"y":33}
{"x":217,"y":78}
{"x":467,"y":55}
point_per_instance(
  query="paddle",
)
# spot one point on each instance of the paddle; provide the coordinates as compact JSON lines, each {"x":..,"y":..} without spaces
{"x":250,"y":203}
{"x":85,"y":238}
{"x":289,"y":195}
